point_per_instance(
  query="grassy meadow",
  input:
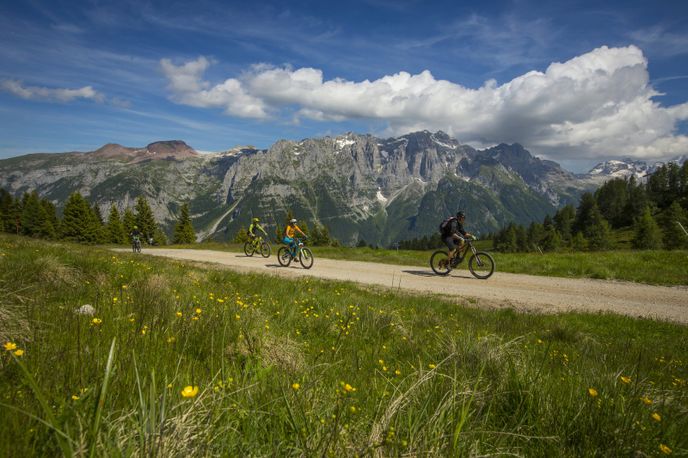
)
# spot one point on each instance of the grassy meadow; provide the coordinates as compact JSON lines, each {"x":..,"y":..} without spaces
{"x":186,"y":360}
{"x":656,"y":267}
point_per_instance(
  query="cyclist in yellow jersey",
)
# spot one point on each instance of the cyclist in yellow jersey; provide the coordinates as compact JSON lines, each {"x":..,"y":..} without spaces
{"x":290,"y":231}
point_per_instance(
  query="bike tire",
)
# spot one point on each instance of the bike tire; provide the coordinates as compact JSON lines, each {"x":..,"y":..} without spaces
{"x":435,"y":259}
{"x":265,"y":249}
{"x":481,"y":265}
{"x":284,"y":256}
{"x":306,"y":258}
{"x":248,"y":249}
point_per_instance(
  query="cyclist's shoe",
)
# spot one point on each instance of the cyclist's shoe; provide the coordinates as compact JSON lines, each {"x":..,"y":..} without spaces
{"x":442,"y":264}
{"x":455,"y":262}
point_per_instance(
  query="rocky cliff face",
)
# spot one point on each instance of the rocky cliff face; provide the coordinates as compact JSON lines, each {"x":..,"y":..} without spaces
{"x":361,"y":187}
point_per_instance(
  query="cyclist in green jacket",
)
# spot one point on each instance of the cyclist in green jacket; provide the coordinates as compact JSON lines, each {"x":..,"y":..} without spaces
{"x":255,"y":225}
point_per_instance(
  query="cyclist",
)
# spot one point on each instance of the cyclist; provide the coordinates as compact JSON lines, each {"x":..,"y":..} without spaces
{"x":135,"y":235}
{"x":289,"y":233}
{"x":255,"y":224}
{"x":453,"y":233}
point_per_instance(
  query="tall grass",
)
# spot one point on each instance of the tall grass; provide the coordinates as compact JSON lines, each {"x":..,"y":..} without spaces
{"x":311,"y":368}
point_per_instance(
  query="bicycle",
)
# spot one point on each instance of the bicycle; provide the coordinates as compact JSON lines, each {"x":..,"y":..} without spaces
{"x":257,"y":245}
{"x":136,"y":244}
{"x":481,"y":264}
{"x":287,"y":254}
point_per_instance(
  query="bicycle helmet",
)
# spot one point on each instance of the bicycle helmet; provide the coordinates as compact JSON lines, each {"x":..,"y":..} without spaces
{"x":292,"y":221}
{"x":255,"y":220}
{"x":460,"y":214}
{"x":136,"y":227}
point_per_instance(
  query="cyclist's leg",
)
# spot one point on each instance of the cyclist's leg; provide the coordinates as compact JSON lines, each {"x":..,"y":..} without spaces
{"x":451,"y":245}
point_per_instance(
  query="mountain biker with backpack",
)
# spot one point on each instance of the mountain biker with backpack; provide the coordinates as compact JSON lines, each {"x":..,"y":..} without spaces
{"x":255,"y":224}
{"x":452,"y":231}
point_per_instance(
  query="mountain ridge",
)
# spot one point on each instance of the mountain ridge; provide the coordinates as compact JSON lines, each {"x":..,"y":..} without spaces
{"x":360,"y":186}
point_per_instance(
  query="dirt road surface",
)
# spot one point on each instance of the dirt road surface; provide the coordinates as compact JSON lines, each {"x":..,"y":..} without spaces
{"x":522,"y":292}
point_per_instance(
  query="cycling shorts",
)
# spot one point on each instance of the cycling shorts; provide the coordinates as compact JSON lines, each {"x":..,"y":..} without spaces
{"x":451,"y":242}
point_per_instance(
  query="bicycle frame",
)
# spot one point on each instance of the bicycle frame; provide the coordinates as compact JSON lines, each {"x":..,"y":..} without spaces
{"x":461,"y":255}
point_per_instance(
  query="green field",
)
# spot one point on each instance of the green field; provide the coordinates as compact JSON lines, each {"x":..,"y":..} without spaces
{"x":658,"y":267}
{"x":313,"y":368}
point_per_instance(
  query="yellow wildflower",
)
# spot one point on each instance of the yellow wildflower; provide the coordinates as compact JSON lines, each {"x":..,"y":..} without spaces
{"x":96,"y":321}
{"x":189,"y":391}
{"x":348,"y":388}
{"x":19,"y":352}
{"x":664,"y":449}
{"x":179,"y":314}
{"x":195,"y":318}
{"x":9,"y":346}
{"x":397,"y":372}
{"x":295,"y":386}
{"x":75,"y":397}
{"x":625,"y":380}
{"x":431,"y":366}
{"x":592,"y":392}
{"x":656,"y":417}
{"x":198,"y":310}
{"x":647,"y":401}
{"x":171,"y":339}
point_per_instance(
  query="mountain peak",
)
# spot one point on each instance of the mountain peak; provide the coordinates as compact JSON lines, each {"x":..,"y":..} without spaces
{"x":176,"y":149}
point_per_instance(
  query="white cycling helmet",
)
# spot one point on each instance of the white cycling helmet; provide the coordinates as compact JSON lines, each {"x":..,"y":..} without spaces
{"x":293,"y":220}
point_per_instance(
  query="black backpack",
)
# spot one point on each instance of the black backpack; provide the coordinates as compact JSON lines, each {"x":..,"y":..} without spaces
{"x":445,"y":225}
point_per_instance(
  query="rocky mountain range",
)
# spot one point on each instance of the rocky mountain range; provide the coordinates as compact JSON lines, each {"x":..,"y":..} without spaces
{"x":626,"y":168}
{"x":359,"y":186}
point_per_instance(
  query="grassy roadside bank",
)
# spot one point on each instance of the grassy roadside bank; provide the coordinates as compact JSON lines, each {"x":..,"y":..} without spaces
{"x":659,"y":267}
{"x":181,"y":360}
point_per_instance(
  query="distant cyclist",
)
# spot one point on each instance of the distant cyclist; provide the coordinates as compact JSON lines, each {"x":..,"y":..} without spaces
{"x":289,"y":233}
{"x":453,"y":234}
{"x":135,"y":236}
{"x":255,"y":225}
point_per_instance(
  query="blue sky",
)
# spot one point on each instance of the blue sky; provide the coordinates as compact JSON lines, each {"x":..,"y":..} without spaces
{"x":576,"y":82}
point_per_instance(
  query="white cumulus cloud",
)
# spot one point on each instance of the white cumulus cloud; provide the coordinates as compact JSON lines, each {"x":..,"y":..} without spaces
{"x":52,"y":94}
{"x":594,"y":105}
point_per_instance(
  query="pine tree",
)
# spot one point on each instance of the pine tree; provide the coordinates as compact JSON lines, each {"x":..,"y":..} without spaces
{"x":159,"y":236}
{"x":76,"y":222}
{"x":183,"y":230}
{"x":128,"y":221}
{"x":552,"y":240}
{"x":673,"y":236}
{"x":612,"y":198}
{"x":598,"y":231}
{"x":33,"y":215}
{"x":578,"y":242}
{"x":115,"y":229}
{"x":100,"y":234}
{"x":51,"y":226}
{"x":241,"y":236}
{"x":144,"y":218}
{"x":647,"y":233}
{"x":584,"y":213}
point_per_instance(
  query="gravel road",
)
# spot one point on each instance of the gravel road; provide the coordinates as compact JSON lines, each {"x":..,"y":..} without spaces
{"x":523,"y":292}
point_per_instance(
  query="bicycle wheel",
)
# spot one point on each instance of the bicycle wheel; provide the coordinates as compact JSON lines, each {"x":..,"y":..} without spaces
{"x":481,"y":265}
{"x":439,"y":262}
{"x":284,"y":256}
{"x":248,"y":249}
{"x":306,"y":258}
{"x":265,"y":249}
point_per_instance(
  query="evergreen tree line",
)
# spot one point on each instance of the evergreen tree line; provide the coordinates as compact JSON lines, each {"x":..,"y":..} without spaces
{"x":655,"y":211}
{"x":81,"y":222}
